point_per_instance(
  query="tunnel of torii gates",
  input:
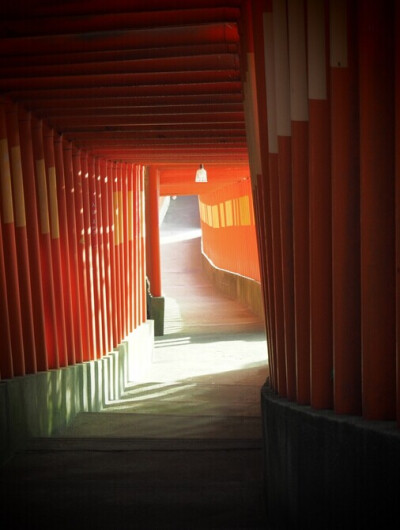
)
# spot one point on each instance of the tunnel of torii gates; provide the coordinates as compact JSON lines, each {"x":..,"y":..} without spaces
{"x":293,"y":108}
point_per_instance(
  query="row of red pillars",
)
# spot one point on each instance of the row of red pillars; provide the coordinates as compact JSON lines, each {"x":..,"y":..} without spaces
{"x":72,"y":251}
{"x":321,"y":95}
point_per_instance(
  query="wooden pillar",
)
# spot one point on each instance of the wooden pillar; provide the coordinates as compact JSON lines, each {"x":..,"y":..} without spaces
{"x":87,"y":345}
{"x":153,"y":261}
{"x":283,"y":123}
{"x":10,"y":251}
{"x":105,"y":184}
{"x":131,"y":243}
{"x":37,"y":289}
{"x":319,"y":210}
{"x":256,"y":118}
{"x":95,"y":354}
{"x":397,"y":149}
{"x":68,"y":285}
{"x":113,"y":261}
{"x":376,"y":75}
{"x":299,"y":119}
{"x":100,"y":167}
{"x":48,"y":145}
{"x":75,"y":291}
{"x":96,"y":269}
{"x":274,"y":199}
{"x":21,"y":238}
{"x":45,"y":246}
{"x":345,"y":169}
{"x":6,"y":363}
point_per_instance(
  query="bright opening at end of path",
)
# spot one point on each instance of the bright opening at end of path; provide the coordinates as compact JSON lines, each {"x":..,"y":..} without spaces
{"x":206,"y":334}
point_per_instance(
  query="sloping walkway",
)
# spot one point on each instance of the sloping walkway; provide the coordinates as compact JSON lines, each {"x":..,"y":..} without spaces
{"x":182,"y":448}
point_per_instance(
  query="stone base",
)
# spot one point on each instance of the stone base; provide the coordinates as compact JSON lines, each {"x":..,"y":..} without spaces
{"x":328,"y":471}
{"x":157,"y":308}
{"x":41,"y":404}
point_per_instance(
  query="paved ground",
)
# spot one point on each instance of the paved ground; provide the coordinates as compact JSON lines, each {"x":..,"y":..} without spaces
{"x":182,"y":448}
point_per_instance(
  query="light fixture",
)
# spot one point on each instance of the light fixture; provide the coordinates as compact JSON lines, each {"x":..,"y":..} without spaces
{"x":201,"y":174}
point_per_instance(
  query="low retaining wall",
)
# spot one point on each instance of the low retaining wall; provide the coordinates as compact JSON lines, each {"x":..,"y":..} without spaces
{"x":245,"y":290}
{"x":41,"y":404}
{"x":325,"y":471}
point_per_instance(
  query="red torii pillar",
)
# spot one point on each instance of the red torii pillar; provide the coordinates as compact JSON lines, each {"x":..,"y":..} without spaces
{"x":153,"y":260}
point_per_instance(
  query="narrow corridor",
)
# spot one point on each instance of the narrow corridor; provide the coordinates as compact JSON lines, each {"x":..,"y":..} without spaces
{"x":182,"y":447}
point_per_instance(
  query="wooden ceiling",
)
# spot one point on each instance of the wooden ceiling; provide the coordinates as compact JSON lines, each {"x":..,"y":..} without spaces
{"x":151,"y":82}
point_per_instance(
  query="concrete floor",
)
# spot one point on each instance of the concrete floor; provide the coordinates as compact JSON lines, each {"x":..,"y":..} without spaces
{"x":182,"y":448}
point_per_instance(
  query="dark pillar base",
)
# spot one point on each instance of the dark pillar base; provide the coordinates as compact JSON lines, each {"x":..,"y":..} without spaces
{"x":157,"y":305}
{"x":328,"y":471}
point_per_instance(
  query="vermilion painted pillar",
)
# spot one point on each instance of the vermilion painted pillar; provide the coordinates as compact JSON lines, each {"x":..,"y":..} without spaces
{"x":376,"y":78}
{"x":99,"y":175}
{"x":48,"y":144}
{"x":73,"y":251}
{"x":113,"y":260}
{"x":116,"y":195}
{"x":45,"y":246}
{"x":10,"y":251}
{"x":121,"y":231}
{"x":21,"y":239}
{"x":257,"y":140}
{"x":274,"y":198}
{"x":131,"y":244}
{"x":345,"y":209}
{"x":320,"y":210}
{"x":153,"y":261}
{"x":125,"y":178}
{"x":6,"y":364}
{"x":32,"y":227}
{"x":87,"y":344}
{"x":283,"y":124}
{"x":105,"y":184}
{"x":96,"y":268}
{"x":299,"y":119}
{"x":397,"y":148}
{"x":142,"y":221}
{"x":91,"y":287}
{"x":136,"y":227}
{"x":67,"y":283}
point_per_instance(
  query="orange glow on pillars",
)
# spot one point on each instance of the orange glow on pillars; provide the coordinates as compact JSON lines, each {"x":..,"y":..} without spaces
{"x":98,"y":175}
{"x":87,"y":352}
{"x":45,"y":246}
{"x":153,"y":232}
{"x":55,"y":244}
{"x":105,"y":183}
{"x":113,"y":267}
{"x":67,"y":284}
{"x":117,"y":212}
{"x":89,"y":257}
{"x":73,"y":249}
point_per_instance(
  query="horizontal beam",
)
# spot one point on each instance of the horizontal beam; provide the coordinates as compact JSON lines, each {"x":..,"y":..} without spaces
{"x":62,"y":24}
{"x":226,"y":86}
{"x":179,"y":100}
{"x":121,"y":40}
{"x":176,"y":110}
{"x":225,"y":61}
{"x":117,"y":80}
